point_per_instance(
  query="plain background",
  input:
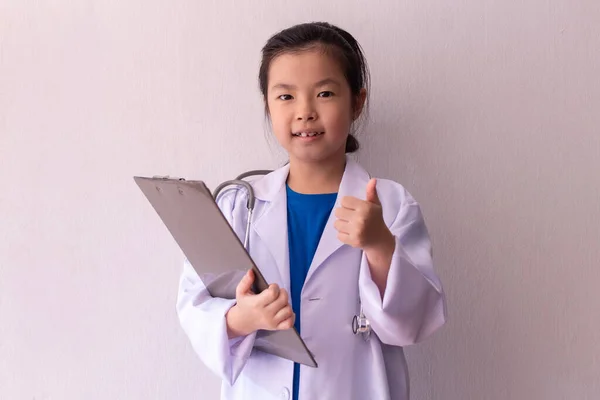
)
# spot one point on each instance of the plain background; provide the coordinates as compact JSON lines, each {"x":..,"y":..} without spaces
{"x":488,"y":111}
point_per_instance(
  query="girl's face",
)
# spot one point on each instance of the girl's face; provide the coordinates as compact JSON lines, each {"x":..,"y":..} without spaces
{"x":310,"y":105}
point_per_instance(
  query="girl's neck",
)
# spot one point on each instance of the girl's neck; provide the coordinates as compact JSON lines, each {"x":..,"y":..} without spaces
{"x":317,"y":177}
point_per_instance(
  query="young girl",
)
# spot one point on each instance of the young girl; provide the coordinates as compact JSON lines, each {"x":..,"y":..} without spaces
{"x":328,"y":237}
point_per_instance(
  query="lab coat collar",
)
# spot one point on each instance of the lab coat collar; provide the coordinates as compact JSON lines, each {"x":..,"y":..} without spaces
{"x":272,"y":184}
{"x":271,"y":225}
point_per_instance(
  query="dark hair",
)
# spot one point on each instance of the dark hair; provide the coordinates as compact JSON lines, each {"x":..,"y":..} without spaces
{"x":334,"y":40}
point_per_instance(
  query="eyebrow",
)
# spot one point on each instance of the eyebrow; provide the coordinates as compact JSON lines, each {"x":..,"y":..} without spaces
{"x":326,"y":81}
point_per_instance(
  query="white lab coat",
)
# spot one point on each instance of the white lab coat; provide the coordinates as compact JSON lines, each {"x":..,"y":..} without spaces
{"x":413,"y":305}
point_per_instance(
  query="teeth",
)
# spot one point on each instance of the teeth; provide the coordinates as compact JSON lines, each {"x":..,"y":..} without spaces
{"x":307,"y":134}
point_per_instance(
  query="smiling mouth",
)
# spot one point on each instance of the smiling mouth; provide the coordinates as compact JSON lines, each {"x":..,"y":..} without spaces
{"x":307,"y":134}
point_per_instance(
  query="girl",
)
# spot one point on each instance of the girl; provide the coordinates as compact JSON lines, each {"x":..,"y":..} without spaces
{"x":328,"y":237}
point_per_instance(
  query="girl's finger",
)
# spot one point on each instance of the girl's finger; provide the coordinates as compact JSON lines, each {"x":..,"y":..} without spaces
{"x":283,"y":314}
{"x":287,"y":324}
{"x":342,"y":226}
{"x":344,"y":214}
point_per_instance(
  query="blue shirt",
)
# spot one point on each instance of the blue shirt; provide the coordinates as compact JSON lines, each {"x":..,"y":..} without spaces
{"x":307,"y":215}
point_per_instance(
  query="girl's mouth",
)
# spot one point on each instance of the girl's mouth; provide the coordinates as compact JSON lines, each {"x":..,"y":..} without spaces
{"x":307,"y":134}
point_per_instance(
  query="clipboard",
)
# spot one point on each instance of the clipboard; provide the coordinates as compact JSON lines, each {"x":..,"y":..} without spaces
{"x":190,"y":213}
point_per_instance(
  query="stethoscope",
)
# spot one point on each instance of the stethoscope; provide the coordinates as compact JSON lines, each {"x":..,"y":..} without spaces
{"x":360,"y":323}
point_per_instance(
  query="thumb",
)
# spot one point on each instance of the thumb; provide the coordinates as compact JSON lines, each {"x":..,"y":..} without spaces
{"x":245,"y":285}
{"x":372,"y":196}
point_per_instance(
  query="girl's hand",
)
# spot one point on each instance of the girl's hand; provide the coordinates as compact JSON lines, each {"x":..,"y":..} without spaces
{"x":269,"y":310}
{"x":360,"y":223}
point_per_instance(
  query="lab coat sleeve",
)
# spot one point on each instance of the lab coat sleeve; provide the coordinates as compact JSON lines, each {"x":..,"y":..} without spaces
{"x":202,"y":318}
{"x":413,"y":303}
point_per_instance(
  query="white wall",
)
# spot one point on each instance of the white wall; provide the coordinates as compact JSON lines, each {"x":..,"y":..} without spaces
{"x":487,"y":111}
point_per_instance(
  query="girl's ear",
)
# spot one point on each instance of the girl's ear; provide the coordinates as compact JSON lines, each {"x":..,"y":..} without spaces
{"x":359,"y":104}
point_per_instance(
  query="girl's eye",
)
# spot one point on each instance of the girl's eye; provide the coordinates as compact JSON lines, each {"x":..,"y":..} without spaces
{"x":284,"y":97}
{"x":326,"y":94}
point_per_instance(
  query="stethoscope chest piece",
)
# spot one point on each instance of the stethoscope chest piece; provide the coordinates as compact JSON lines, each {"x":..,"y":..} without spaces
{"x":360,"y":324}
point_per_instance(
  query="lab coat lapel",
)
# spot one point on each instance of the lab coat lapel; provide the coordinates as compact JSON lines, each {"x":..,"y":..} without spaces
{"x":271,"y":224}
{"x":354,"y":183}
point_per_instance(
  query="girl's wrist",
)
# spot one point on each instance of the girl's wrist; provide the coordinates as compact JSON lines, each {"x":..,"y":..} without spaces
{"x":382,"y":251}
{"x":236,"y":325}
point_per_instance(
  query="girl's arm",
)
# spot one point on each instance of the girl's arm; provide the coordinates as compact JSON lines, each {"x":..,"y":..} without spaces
{"x":401,"y":295}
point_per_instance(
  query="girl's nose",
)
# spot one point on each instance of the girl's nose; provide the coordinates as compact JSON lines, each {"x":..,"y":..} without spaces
{"x":307,"y":117}
{"x":306,"y":112}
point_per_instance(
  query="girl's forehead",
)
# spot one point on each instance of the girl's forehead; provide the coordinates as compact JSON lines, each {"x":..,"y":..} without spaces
{"x":304,"y":66}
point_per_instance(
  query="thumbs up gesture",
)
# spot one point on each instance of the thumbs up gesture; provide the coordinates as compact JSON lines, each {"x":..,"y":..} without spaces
{"x":360,"y":222}
{"x":372,"y":192}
